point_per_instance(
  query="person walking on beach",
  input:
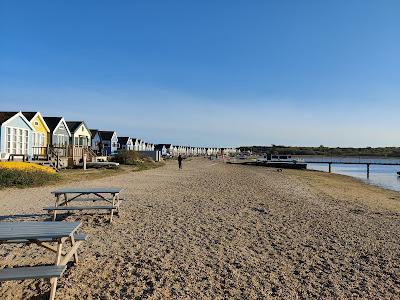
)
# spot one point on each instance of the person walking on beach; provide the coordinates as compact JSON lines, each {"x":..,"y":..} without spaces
{"x":180,"y":162}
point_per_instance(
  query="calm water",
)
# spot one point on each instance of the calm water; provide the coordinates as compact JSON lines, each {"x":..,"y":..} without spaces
{"x":383,"y":176}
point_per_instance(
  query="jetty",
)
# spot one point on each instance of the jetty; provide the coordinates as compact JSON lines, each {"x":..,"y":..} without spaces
{"x":273,"y":164}
{"x":368,"y":164}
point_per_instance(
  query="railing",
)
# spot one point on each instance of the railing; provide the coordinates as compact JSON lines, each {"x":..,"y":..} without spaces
{"x":55,"y":157}
{"x":77,"y":152}
{"x":39,"y":151}
{"x":61,"y":151}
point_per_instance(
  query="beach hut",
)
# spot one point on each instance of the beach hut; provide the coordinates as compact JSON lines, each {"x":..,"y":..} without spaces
{"x":59,"y":136}
{"x":15,"y":135}
{"x":59,"y":133}
{"x":40,"y":133}
{"x":125,"y":143}
{"x":162,"y":148}
{"x":135,"y":143}
{"x":175,"y":150}
{"x":80,"y":134}
{"x":95,"y":138}
{"x":79,"y":143}
{"x":142,"y":146}
{"x":104,"y":142}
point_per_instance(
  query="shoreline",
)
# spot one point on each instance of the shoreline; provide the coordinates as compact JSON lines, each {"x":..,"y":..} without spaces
{"x":356,"y":185}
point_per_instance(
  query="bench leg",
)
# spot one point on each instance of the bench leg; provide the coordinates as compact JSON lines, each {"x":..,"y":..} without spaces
{"x":118,"y":203}
{"x":76,"y":259}
{"x":112,"y":210}
{"x":53,"y":282}
{"x":59,"y":252}
{"x":54,"y":211}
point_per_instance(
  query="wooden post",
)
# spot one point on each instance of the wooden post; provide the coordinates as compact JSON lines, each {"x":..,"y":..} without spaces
{"x":112,"y":209}
{"x":75,"y":253}
{"x":55,"y":211}
{"x":53,"y":281}
{"x":368,"y":170}
{"x":84,"y":161}
{"x":330,"y":167}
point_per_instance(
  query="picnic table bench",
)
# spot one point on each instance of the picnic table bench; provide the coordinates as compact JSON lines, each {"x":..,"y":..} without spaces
{"x":42,"y":234}
{"x":12,"y":156}
{"x":109,"y":195}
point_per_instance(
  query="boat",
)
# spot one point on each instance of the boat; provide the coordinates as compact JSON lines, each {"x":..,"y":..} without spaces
{"x":243,"y":156}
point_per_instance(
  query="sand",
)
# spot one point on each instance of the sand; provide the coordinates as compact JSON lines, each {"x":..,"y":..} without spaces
{"x":218,"y":231}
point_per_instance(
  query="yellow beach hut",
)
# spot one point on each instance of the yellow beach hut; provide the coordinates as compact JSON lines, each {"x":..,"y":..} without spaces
{"x":40,"y":135}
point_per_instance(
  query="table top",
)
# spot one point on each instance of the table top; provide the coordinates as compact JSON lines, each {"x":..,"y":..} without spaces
{"x":36,"y":230}
{"x":87,"y":191}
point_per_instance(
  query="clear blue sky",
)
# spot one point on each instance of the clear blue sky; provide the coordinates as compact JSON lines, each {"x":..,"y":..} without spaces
{"x":209,"y":72}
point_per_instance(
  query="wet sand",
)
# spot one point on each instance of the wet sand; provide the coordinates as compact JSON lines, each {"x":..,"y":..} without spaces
{"x":215,"y":231}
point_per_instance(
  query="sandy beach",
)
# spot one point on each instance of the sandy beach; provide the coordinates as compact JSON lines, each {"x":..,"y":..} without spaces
{"x":219,"y":231}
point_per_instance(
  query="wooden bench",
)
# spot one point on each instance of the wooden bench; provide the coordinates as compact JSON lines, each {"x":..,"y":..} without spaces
{"x":12,"y":156}
{"x":36,"y":272}
{"x":64,"y":207}
{"x":44,"y":234}
{"x":67,"y":195}
{"x":77,"y":236}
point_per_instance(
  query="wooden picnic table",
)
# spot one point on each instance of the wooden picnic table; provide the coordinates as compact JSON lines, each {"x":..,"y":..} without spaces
{"x":42,"y":234}
{"x":67,"y":195}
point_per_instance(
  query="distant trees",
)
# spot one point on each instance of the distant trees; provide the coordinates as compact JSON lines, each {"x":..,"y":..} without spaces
{"x":322,"y":150}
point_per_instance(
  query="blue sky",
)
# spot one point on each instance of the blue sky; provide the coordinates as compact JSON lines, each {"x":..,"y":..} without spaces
{"x":223,"y":73}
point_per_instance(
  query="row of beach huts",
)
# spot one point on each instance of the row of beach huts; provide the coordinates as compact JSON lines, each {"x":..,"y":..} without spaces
{"x":60,"y":143}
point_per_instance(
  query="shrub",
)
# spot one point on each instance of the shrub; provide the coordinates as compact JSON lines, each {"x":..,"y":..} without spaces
{"x":126,"y":157}
{"x":22,"y":178}
{"x":25,"y":166}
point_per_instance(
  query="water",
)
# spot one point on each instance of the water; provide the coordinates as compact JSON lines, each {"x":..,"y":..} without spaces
{"x":382,"y":176}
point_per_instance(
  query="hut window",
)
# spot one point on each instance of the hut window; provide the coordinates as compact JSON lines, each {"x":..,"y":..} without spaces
{"x":16,"y":140}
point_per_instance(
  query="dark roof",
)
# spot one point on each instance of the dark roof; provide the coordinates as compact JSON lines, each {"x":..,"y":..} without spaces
{"x":52,"y":122}
{"x":73,"y":125}
{"x":159,"y":146}
{"x":123,"y":140}
{"x":5,"y":115}
{"x":134,"y":140}
{"x":106,"y":135}
{"x":29,"y":114}
{"x":93,"y":132}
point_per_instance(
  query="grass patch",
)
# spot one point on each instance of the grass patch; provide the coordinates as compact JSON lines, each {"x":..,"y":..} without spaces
{"x":24,"y":178}
{"x":146,"y":164}
{"x":71,"y":175}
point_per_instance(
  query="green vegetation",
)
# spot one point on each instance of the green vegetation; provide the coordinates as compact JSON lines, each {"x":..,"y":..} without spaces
{"x":147,"y":164}
{"x":23,"y":178}
{"x":126,"y":157}
{"x":132,"y":158}
{"x":325,"y":151}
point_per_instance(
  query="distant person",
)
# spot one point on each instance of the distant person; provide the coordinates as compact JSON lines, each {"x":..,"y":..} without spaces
{"x":180,"y":161}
